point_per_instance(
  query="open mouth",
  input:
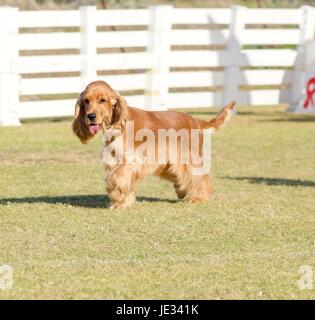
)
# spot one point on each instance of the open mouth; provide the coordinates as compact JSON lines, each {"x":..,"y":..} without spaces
{"x":94,"y":128}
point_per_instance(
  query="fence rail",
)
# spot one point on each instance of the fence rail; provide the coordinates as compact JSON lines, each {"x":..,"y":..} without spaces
{"x":159,"y":57}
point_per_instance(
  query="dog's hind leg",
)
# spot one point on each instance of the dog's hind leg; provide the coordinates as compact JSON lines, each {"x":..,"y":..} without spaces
{"x":170,"y":173}
{"x":199,"y":189}
{"x":192,"y":188}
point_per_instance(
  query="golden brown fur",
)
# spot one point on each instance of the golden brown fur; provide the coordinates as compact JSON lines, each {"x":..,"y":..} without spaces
{"x":111,"y":113}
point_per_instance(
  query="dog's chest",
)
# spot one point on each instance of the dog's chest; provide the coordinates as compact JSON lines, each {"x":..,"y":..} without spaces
{"x":113,"y":149}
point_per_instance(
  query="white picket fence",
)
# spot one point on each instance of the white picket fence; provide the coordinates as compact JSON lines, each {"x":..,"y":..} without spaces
{"x":171,"y":72}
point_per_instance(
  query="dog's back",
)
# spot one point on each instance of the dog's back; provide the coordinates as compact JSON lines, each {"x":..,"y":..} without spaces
{"x":155,"y":120}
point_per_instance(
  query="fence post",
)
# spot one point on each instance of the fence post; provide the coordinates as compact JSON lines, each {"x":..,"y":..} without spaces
{"x":307,"y":32}
{"x":156,"y":92}
{"x":88,"y":44}
{"x":233,"y":49}
{"x":9,"y":77}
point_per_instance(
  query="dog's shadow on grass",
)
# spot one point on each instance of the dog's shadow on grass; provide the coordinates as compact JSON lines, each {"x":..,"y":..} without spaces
{"x":308,"y":118}
{"x":85,"y":201}
{"x":275,"y":181}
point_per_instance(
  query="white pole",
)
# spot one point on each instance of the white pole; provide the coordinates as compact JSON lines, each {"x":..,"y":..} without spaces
{"x":9,"y":78}
{"x":160,"y":28}
{"x":307,"y":29}
{"x":88,"y":44}
{"x":234,"y":47}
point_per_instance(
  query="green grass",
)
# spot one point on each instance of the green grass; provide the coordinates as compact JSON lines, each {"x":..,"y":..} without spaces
{"x":247,"y":243}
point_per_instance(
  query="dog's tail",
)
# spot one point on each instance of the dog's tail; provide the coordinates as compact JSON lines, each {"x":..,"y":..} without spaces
{"x":221,"y":119}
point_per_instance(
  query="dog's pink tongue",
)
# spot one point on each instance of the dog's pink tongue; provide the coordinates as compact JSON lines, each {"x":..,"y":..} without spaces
{"x":94,"y":128}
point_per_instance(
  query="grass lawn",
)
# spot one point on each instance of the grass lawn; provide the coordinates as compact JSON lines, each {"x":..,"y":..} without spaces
{"x":248,"y":242}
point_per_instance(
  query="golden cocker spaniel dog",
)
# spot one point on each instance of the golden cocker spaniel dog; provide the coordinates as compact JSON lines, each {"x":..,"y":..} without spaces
{"x":100,"y":108}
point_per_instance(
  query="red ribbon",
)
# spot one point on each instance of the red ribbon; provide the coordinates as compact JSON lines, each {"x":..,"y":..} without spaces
{"x":310,"y":91}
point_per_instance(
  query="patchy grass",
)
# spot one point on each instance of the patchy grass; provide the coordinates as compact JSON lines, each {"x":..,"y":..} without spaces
{"x":247,"y":243}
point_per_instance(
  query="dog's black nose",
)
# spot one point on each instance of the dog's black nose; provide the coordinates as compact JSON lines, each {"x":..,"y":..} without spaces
{"x":91,"y":116}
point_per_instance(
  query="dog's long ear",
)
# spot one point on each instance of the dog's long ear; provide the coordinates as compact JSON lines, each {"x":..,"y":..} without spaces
{"x":120,"y":110}
{"x":79,"y":126}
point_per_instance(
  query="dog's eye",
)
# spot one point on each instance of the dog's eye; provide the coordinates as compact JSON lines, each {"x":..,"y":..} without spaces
{"x":102,"y":100}
{"x":86,"y":101}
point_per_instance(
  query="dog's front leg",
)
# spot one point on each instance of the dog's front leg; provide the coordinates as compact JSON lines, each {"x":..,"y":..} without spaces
{"x":120,"y":185}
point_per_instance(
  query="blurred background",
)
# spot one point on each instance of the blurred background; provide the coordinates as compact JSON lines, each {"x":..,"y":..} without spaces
{"x":112,"y":4}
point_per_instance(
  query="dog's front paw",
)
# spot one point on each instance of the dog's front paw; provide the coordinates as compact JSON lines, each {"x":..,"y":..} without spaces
{"x":119,"y":205}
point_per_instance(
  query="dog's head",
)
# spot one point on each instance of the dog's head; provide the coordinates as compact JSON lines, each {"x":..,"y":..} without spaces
{"x":98,"y":107}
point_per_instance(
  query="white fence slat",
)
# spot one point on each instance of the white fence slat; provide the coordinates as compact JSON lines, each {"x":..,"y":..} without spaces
{"x":121,"y":61}
{"x":199,"y":37}
{"x":198,"y":58}
{"x":265,"y":77}
{"x":122,"y":17}
{"x":273,"y":16}
{"x":201,"y":16}
{"x":33,"y":86}
{"x":62,"y":85}
{"x":45,"y":41}
{"x":197,"y":99}
{"x":233,"y":49}
{"x":122,"y":39}
{"x":262,"y":97}
{"x":250,"y":57}
{"x":271,"y":36}
{"x":9,"y":78}
{"x":126,"y":82}
{"x":71,"y":40}
{"x":159,"y":48}
{"x":43,"y":64}
{"x":47,"y":109}
{"x":137,"y":101}
{"x":49,"y":18}
{"x":69,"y":18}
{"x":137,"y":81}
{"x":72,"y":63}
{"x":29,"y":86}
{"x":88,"y":48}
{"x":268,"y":57}
{"x":195,"y":79}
